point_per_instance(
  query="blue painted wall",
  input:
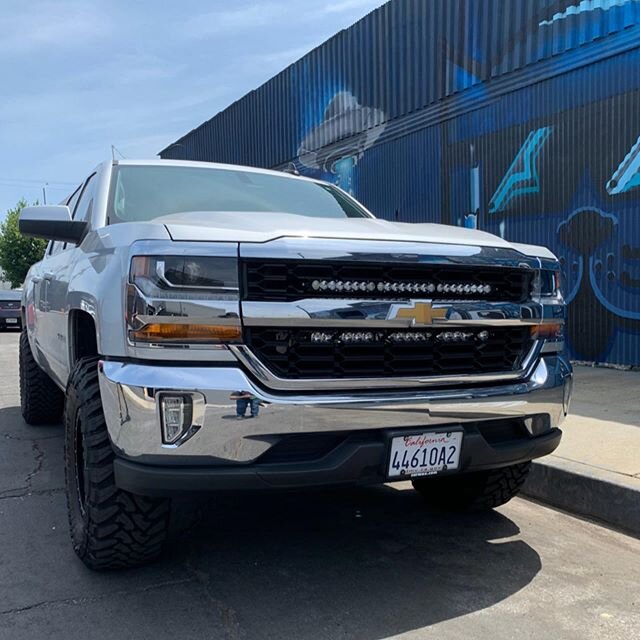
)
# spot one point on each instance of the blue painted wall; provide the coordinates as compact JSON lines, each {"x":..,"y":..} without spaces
{"x":521,"y":117}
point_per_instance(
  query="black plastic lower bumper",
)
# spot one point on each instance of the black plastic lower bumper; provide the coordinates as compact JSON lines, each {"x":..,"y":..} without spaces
{"x":354,"y":461}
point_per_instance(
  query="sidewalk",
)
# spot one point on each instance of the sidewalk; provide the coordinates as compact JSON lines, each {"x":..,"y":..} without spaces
{"x":596,"y":469}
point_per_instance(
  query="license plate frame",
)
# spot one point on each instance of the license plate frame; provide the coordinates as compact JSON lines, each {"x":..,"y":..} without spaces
{"x":455,"y":436}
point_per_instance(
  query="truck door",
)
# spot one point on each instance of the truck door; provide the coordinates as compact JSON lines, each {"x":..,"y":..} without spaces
{"x":57,"y":275}
{"x":45,"y":296}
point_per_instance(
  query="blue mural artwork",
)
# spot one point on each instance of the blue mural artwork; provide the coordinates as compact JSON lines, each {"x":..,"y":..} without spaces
{"x":333,"y":146}
{"x":585,"y":6}
{"x":522,"y":176}
{"x":627,"y":175}
{"x":555,"y":163}
{"x":586,"y":216}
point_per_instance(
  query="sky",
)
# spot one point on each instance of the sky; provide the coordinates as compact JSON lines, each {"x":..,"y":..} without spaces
{"x":77,"y":76}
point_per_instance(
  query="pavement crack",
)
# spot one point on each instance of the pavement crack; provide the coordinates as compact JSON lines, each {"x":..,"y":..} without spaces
{"x":9,"y":494}
{"x":39,"y":457}
{"x":9,"y":436}
{"x":89,"y":599}
{"x":27,"y":489}
{"x":226,"y":613}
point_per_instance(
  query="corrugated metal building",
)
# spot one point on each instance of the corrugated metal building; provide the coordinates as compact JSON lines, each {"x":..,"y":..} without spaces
{"x":519,"y":116}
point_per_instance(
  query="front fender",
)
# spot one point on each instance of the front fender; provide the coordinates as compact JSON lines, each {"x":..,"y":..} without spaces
{"x":98,"y":281}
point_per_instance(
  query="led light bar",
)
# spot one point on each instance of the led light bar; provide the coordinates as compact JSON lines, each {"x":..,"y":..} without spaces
{"x":409,"y":336}
{"x":398,"y":337}
{"x":368,"y":286}
{"x":357,"y":336}
{"x":456,"y":336}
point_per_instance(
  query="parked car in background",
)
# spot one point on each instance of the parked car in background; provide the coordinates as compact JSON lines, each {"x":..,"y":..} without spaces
{"x":213,"y":327}
{"x":10,"y":317}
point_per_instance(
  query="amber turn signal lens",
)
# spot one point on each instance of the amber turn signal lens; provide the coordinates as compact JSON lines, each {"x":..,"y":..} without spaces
{"x":169,"y":332}
{"x":548,"y":330}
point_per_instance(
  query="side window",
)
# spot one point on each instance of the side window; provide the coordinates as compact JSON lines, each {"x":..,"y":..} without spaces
{"x":85,"y":205}
{"x":71,"y":201}
{"x":55,"y":248}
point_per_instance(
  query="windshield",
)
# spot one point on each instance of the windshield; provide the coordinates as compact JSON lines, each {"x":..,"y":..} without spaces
{"x":147,"y":192}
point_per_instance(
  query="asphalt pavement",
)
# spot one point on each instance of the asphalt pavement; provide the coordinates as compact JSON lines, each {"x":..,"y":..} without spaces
{"x":360,"y":564}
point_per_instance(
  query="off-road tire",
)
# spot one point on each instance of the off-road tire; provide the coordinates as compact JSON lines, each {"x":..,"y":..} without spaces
{"x":110,"y":528}
{"x":479,"y":491}
{"x":41,"y":401}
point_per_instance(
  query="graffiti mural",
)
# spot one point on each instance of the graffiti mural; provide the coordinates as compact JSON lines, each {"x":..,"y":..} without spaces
{"x":627,"y":175}
{"x":594,"y":274}
{"x":332,"y":148}
{"x":571,"y":183}
{"x":522,"y":176}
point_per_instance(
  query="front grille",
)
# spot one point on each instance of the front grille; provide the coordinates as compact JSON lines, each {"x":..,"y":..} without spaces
{"x":297,"y":353}
{"x":284,"y":280}
{"x":11,"y":304}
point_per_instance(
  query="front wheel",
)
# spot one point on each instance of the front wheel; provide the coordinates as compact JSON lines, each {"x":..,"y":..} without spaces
{"x":110,"y":528}
{"x":478,"y":491}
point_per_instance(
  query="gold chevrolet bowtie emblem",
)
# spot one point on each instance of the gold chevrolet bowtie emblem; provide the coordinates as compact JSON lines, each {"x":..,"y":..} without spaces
{"x":421,"y":313}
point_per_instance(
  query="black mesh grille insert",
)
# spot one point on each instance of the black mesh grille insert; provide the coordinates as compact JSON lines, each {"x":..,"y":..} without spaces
{"x":291,"y":280}
{"x":291,"y":353}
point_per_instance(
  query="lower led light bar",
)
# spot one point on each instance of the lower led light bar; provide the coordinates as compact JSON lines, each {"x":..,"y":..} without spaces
{"x":398,"y":337}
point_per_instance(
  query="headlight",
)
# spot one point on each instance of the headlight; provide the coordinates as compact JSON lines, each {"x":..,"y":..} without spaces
{"x":166,"y":274}
{"x":546,"y":283}
{"x":183,"y":300}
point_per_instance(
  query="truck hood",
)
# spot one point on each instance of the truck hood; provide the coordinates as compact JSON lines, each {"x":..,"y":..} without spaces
{"x":260,"y":227}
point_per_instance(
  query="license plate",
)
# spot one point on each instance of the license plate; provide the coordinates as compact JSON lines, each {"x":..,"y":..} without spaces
{"x":11,"y":320}
{"x":424,"y":454}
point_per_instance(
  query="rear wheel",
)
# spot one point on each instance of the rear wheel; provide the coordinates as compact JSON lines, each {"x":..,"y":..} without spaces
{"x":41,"y":401}
{"x":110,"y":528}
{"x":477,"y":491}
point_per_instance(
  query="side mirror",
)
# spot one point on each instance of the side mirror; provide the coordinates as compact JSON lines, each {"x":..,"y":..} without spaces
{"x":52,"y":222}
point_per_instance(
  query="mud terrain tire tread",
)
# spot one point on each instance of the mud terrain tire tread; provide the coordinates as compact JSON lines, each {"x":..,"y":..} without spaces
{"x":41,"y":401}
{"x":479,"y":491}
{"x":110,"y":528}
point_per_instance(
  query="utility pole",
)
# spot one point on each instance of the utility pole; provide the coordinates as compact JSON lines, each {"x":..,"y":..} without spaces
{"x":44,"y":193}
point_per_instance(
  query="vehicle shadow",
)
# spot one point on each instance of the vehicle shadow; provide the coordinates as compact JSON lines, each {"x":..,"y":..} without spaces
{"x":356,"y":563}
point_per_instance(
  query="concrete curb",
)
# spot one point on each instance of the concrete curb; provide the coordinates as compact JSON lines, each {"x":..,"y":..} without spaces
{"x":588,"y":491}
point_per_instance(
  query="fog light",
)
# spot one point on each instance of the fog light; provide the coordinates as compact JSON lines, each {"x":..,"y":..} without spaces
{"x":175,"y":415}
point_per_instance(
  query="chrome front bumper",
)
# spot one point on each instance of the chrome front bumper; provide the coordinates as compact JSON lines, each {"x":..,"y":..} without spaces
{"x":130,"y":392}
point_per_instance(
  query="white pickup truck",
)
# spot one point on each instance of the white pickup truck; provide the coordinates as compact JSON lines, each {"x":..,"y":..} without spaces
{"x":208,"y":327}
